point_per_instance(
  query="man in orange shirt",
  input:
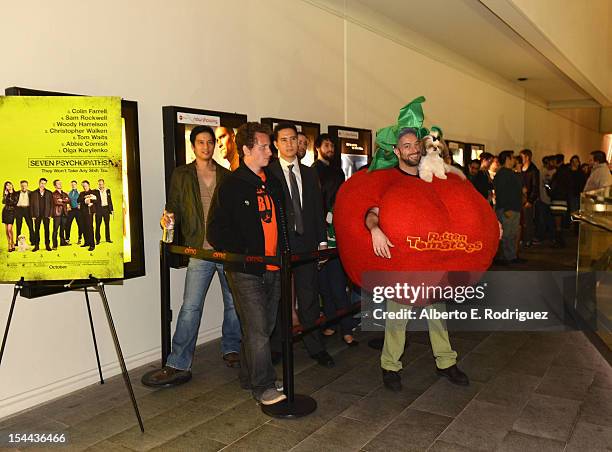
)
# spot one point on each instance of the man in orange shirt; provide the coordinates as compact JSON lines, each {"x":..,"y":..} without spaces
{"x":247,"y":217}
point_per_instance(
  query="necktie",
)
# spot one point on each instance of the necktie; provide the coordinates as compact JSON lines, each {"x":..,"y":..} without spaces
{"x":295,"y":200}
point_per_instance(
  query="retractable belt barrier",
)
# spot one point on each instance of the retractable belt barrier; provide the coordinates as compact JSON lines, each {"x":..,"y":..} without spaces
{"x":295,"y":405}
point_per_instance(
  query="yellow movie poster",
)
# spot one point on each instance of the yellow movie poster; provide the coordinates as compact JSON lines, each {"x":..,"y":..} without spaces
{"x":60,"y":166}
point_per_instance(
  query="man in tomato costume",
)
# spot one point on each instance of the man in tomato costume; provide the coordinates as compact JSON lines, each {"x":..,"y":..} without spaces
{"x":387,"y":220}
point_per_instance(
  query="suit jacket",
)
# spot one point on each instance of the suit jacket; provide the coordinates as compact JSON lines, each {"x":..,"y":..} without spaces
{"x":312,"y":209}
{"x":41,"y":206}
{"x":83,"y":207}
{"x":108,"y":198}
{"x":60,"y":203}
{"x":331,"y":178}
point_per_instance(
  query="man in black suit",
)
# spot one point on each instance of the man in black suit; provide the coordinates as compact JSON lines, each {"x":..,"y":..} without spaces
{"x":23,"y":211}
{"x":41,"y":202}
{"x":87,"y":206}
{"x":104,"y":209}
{"x":307,"y":233}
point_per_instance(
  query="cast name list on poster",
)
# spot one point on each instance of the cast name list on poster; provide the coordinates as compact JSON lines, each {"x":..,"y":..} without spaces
{"x":86,"y":130}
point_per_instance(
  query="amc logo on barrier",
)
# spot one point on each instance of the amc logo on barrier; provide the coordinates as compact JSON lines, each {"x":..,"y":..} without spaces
{"x":254,"y":259}
{"x":191,"y":251}
{"x":218,"y":255}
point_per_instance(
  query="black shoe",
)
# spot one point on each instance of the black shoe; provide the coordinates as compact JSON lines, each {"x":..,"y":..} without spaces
{"x":324,"y":359}
{"x":232,"y":359}
{"x":518,"y":260}
{"x":97,"y":242}
{"x":392,"y":380}
{"x":84,"y":246}
{"x":166,"y":377}
{"x":48,"y":248}
{"x":36,"y":248}
{"x":277,"y":357}
{"x":454,"y":375}
{"x":91,"y":248}
{"x":109,"y":241}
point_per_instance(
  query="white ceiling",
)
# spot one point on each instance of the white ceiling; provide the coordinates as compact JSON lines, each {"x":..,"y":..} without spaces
{"x":469,"y":29}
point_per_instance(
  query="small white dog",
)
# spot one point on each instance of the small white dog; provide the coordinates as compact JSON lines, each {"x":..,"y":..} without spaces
{"x":432,"y":163}
{"x":22,"y":244}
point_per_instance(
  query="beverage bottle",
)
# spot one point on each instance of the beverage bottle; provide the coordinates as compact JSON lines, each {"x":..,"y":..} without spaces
{"x":168,"y":234}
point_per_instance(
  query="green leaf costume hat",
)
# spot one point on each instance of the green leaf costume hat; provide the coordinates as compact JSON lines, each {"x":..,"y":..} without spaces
{"x":411,"y":115}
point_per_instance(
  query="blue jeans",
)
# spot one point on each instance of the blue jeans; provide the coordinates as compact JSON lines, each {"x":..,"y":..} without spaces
{"x":197,"y":282}
{"x":257,"y":299}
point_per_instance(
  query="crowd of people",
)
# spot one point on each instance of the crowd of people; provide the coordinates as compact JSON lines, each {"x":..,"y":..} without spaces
{"x":38,"y":207}
{"x":264,"y":206}
{"x":534,"y":204}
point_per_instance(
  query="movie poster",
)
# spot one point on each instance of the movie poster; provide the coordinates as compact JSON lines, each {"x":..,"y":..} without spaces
{"x":62,"y":196}
{"x":226,"y":153}
{"x":354,"y":151}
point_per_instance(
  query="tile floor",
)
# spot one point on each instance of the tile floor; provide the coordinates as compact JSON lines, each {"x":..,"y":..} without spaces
{"x":529,"y":391}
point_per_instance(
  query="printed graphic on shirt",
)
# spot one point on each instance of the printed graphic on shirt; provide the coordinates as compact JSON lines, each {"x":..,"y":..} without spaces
{"x":264,"y":203}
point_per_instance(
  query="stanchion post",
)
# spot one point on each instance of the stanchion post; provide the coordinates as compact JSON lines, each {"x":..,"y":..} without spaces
{"x":286,"y":300}
{"x":296,"y":405}
{"x":166,"y":312}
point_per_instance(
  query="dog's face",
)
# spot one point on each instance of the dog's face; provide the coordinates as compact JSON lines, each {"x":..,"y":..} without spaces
{"x":21,"y":240}
{"x":432,"y":145}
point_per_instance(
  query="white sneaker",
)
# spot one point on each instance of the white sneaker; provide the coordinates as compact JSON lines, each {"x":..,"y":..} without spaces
{"x":271,"y":396}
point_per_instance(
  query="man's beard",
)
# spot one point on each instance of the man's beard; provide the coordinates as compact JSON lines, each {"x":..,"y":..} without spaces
{"x":410,"y":161}
{"x":328,"y":158}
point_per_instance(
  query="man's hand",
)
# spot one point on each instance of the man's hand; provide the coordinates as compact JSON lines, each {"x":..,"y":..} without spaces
{"x":501,"y":230}
{"x":381,"y":243}
{"x":322,"y":262}
{"x":528,"y":205}
{"x":167,"y":219}
{"x":508,"y":214}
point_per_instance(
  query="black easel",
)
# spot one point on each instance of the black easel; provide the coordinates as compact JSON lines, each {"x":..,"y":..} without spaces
{"x":98,"y":286}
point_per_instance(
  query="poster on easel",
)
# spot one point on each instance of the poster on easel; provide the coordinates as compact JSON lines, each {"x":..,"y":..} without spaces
{"x":61,"y":170}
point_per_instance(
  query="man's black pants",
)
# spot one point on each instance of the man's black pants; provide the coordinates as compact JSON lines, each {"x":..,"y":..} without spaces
{"x":37,"y":222}
{"x":88,"y":233}
{"x":59,"y":224}
{"x":23,"y":213}
{"x":103,"y":213}
{"x":74,"y":214}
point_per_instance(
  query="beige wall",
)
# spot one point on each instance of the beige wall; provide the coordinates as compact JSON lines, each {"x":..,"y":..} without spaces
{"x":548,"y":133}
{"x":260,"y":57}
{"x":581,"y":30}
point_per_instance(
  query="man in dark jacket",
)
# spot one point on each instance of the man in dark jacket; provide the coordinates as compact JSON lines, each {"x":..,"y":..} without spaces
{"x":41,"y":202}
{"x":560,"y":186}
{"x":508,"y":193}
{"x":531,"y":185}
{"x":60,"y":213}
{"x":247,"y":217}
{"x":479,"y":179}
{"x":307,"y":233}
{"x":87,"y":201}
{"x":188,"y":205}
{"x":332,"y":279}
